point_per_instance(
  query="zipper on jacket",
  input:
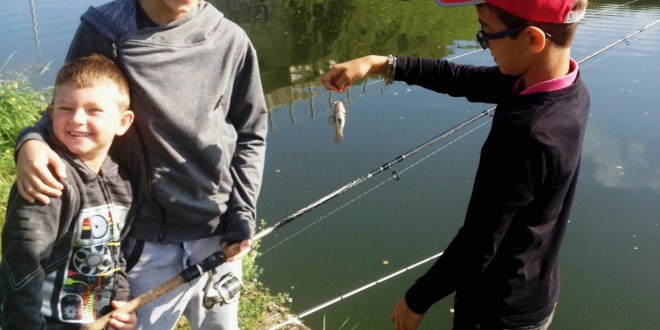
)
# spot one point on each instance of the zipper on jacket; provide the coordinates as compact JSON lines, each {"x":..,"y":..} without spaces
{"x":68,"y":209}
{"x":114,"y":50}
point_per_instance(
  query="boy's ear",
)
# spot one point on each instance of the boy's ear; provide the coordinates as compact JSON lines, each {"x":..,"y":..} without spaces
{"x":50,"y":110}
{"x":125,"y":122}
{"x":536,"y":38}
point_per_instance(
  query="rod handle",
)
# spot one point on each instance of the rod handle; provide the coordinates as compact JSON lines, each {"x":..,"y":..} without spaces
{"x":138,"y":302}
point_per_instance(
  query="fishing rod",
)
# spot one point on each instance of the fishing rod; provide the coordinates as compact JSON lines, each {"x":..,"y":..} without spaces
{"x":218,"y":258}
{"x":423,"y":146}
{"x":358,"y":290}
{"x":367,"y":286}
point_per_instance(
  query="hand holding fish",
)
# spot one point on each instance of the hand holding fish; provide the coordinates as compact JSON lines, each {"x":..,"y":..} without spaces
{"x":341,"y":76}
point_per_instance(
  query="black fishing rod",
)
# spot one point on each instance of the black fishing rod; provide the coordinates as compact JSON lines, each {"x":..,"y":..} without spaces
{"x":229,"y":287}
{"x":417,"y":149}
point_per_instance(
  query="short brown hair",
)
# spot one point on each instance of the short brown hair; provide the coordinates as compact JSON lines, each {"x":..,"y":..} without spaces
{"x":91,"y":70}
{"x":560,"y":34}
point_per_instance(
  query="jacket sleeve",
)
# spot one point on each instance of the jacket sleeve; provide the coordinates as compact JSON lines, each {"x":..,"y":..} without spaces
{"x":28,"y":237}
{"x":507,"y":180}
{"x":248,"y":113}
{"x":477,"y":84}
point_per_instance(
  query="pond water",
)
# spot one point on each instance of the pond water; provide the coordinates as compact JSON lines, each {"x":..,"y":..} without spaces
{"x":610,"y":269}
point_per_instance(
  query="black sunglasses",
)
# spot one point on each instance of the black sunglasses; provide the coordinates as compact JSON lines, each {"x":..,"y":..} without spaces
{"x":483,"y":37}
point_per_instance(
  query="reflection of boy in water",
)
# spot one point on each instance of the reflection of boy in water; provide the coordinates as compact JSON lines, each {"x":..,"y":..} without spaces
{"x":61,"y":264}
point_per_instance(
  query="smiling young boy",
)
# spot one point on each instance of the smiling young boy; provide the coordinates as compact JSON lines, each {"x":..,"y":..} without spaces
{"x":503,"y":264}
{"x":61,"y":265}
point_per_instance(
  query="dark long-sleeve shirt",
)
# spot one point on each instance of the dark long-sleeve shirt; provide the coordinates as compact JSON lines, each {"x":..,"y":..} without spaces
{"x":503,"y":263}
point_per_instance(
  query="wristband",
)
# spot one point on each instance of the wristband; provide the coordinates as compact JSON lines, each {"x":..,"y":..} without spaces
{"x":391,"y":69}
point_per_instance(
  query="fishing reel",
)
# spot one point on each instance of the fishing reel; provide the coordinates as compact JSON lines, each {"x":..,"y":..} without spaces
{"x":225,"y":291}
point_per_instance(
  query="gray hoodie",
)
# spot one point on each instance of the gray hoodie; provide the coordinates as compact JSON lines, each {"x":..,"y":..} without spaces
{"x":198,"y":144}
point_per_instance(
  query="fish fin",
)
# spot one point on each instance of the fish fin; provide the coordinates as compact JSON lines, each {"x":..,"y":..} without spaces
{"x":331,"y":120}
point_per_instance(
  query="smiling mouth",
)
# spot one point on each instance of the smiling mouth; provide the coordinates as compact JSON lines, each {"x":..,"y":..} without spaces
{"x":80,"y":134}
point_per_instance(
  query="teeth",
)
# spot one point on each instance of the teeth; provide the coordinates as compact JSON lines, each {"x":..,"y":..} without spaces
{"x":79,"y":134}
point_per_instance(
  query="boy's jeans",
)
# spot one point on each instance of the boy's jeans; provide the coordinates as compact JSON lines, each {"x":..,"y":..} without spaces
{"x":158,"y":263}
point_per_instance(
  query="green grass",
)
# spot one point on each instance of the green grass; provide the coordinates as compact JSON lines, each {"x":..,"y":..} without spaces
{"x":21,"y":106}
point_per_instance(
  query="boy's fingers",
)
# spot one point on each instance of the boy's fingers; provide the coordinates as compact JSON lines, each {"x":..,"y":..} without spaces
{"x":46,"y":183}
{"x":58,"y":167}
{"x":122,"y":321}
{"x":42,"y":198}
{"x":25,"y":192}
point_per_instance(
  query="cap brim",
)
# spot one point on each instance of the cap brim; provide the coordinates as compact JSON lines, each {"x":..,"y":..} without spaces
{"x":457,"y":3}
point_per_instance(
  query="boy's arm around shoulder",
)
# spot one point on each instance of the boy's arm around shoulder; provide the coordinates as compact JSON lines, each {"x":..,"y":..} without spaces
{"x":28,"y":238}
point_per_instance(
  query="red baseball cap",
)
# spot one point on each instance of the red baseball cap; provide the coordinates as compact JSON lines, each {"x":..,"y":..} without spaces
{"x":549,"y":11}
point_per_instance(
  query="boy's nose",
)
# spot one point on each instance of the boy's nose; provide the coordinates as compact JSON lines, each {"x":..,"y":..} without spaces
{"x":79,"y":116}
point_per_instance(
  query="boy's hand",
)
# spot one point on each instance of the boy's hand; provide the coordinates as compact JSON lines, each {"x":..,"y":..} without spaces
{"x":403,"y":317}
{"x":34,"y":179}
{"x":122,"y":321}
{"x":236,"y":251}
{"x":341,"y":76}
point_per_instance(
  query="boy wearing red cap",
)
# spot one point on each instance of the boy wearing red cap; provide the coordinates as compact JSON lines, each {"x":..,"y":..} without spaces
{"x":503,"y":263}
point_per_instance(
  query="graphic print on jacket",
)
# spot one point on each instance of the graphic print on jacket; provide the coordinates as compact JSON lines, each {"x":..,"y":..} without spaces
{"x":85,"y":290}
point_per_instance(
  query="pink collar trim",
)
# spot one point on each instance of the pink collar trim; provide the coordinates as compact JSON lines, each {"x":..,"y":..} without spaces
{"x":551,"y":85}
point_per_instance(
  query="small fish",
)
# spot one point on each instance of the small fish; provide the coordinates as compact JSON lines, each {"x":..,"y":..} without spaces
{"x":338,"y":119}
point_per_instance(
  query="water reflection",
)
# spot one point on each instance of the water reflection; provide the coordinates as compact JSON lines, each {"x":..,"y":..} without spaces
{"x":35,"y":30}
{"x":299,"y":40}
{"x":622,"y":163}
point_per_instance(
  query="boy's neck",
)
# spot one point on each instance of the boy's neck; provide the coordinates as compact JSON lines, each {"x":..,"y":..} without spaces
{"x":553,"y":63}
{"x":94,"y":164}
{"x":162,"y":14}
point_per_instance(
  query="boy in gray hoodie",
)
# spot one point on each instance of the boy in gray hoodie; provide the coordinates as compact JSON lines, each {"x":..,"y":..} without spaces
{"x":196,"y":151}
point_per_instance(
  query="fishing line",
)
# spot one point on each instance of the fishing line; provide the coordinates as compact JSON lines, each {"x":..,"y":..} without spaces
{"x":423,"y":146}
{"x":372,"y":189}
{"x":410,"y":153}
{"x":626,"y":39}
